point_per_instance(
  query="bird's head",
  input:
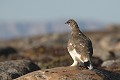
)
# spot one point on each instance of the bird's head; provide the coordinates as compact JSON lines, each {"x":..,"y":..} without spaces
{"x":71,"y":23}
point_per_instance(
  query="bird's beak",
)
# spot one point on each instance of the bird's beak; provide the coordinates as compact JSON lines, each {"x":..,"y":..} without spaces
{"x":66,"y":23}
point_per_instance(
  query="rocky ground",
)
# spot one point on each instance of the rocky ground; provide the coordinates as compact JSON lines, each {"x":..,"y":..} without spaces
{"x":49,"y":51}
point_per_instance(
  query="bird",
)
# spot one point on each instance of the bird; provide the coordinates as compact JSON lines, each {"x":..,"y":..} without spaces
{"x":79,"y":46}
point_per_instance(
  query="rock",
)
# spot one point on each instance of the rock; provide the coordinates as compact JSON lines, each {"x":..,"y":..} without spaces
{"x":101,"y":53}
{"x":69,"y":73}
{"x":7,"y":51}
{"x":12,"y":69}
{"x":112,"y":65}
{"x":96,"y":61}
{"x":111,"y":43}
{"x":113,"y":28}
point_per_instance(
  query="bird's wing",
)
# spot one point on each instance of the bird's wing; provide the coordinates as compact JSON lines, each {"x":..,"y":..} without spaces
{"x":89,"y":49}
{"x":79,"y":45}
{"x":83,"y":46}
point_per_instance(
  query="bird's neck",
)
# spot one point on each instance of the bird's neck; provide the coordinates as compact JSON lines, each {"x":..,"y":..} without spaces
{"x":75,"y":29}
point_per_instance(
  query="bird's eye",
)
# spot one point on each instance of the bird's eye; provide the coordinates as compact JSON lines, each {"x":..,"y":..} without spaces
{"x":68,"y":22}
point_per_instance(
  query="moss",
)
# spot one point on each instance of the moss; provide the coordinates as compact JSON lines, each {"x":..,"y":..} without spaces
{"x":58,"y":62}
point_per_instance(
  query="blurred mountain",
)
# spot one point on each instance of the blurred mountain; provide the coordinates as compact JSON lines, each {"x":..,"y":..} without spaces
{"x":21,"y":29}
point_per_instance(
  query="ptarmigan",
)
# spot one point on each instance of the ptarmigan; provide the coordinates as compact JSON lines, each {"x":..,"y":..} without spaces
{"x":79,"y":46}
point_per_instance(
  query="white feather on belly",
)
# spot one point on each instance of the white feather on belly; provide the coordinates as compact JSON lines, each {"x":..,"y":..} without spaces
{"x":75,"y":55}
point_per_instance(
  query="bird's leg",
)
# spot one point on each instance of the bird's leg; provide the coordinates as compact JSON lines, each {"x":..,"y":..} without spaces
{"x":74,"y":63}
{"x":90,"y":66}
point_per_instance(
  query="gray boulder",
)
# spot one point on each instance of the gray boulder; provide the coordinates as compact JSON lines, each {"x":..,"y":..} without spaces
{"x":12,"y":69}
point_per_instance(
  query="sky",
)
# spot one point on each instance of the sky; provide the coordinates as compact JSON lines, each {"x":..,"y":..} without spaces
{"x":46,"y":10}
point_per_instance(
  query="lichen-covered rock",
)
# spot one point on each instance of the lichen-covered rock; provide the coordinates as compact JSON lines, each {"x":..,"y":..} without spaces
{"x":12,"y":69}
{"x":111,"y":43}
{"x":112,"y":65}
{"x":101,"y":53}
{"x":69,"y":73}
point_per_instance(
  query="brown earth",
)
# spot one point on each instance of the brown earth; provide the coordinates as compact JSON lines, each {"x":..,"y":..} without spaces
{"x":70,"y":73}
